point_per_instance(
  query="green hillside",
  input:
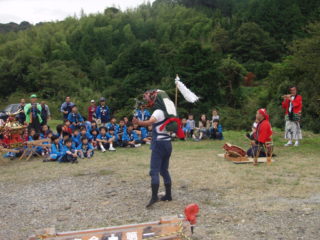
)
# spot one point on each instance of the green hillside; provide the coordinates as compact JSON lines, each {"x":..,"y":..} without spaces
{"x":212,"y":44}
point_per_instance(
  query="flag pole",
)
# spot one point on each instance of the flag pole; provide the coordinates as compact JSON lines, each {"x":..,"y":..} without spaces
{"x":176,"y":98}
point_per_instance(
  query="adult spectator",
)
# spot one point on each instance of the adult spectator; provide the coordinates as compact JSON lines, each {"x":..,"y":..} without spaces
{"x":92,"y":110}
{"x":21,"y":117}
{"x":142,"y":114}
{"x":66,"y":107}
{"x":292,"y":103}
{"x":102,"y":112}
{"x":45,"y":113}
{"x":204,"y":127}
{"x":33,"y":114}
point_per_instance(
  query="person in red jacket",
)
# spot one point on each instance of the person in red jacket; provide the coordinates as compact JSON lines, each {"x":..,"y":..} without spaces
{"x":292,"y":104}
{"x":262,"y":135}
{"x":91,"y":110}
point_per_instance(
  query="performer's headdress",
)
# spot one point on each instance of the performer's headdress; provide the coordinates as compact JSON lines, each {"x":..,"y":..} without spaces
{"x":264,"y":113}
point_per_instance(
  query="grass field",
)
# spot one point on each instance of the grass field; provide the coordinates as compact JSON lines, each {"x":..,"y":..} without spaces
{"x":281,"y":201}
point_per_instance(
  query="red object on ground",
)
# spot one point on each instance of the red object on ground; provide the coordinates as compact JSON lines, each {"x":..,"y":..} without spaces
{"x":191,"y":212}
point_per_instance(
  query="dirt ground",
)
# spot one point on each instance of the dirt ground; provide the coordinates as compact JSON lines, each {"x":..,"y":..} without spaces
{"x":281,"y":201}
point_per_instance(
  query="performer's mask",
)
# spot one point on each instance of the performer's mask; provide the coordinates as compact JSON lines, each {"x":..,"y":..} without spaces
{"x":150,"y":97}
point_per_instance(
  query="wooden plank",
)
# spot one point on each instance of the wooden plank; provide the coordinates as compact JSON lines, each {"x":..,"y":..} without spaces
{"x":167,"y":228}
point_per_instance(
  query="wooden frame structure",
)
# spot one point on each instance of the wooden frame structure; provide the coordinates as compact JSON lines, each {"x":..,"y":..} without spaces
{"x":167,"y":228}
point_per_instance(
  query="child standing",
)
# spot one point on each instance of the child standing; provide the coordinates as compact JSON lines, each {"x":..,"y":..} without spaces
{"x":102,"y":112}
{"x":191,"y":123}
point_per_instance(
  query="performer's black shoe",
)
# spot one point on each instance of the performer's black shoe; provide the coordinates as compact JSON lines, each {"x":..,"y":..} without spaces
{"x":168,"y":196}
{"x":154,"y":198}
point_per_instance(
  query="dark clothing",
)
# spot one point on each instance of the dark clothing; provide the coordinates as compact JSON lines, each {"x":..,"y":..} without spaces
{"x":252,"y":152}
{"x":21,"y":117}
{"x":35,"y":124}
{"x":160,"y":156}
{"x":66,"y":107}
{"x":44,"y":115}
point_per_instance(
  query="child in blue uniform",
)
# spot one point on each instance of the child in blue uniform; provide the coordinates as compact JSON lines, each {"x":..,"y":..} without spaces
{"x":112,"y":138}
{"x":84,"y":133}
{"x":121,"y":129}
{"x":75,"y":118}
{"x":69,"y":153}
{"x":113,"y":124}
{"x":102,"y":140}
{"x":103,"y":112}
{"x":76,"y":139}
{"x":94,"y":134}
{"x":56,"y":149}
{"x":130,"y":138}
{"x":85,"y":149}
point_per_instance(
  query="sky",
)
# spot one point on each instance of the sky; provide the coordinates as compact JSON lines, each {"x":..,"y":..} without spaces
{"x":35,"y":11}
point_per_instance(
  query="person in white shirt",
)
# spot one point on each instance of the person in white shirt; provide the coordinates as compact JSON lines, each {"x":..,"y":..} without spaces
{"x":161,"y":143}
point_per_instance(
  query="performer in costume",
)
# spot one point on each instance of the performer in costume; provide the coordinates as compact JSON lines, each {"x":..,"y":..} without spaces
{"x":292,"y":104}
{"x":163,"y":120}
{"x":262,"y":135}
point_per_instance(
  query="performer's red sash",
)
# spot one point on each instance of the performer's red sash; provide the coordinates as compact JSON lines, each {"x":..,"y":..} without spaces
{"x":180,"y":133}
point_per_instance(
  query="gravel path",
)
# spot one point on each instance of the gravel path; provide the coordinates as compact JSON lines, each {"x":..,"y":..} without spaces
{"x":89,"y":201}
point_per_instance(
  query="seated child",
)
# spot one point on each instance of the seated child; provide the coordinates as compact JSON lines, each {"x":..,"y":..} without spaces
{"x":69,"y":153}
{"x":39,"y":150}
{"x":191,"y":123}
{"x":75,"y":118}
{"x":56,"y":149}
{"x":148,"y":137}
{"x":66,"y":127}
{"x":59,"y":130}
{"x":113,"y":124}
{"x":84,"y":133}
{"x":130,"y":137}
{"x":141,"y":132}
{"x":64,"y":137}
{"x":112,"y":139}
{"x":76,"y":139}
{"x":31,"y":134}
{"x":94,"y":126}
{"x":85,"y":149}
{"x":45,"y":131}
{"x":216,"y":130}
{"x":122,"y":128}
{"x":94,"y":134}
{"x":102,"y":140}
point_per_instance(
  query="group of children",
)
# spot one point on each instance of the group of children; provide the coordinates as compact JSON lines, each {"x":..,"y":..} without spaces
{"x":77,"y":138}
{"x":205,"y":129}
{"x":71,"y":142}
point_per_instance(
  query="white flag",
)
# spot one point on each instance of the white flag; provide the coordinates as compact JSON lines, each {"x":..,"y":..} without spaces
{"x":187,"y":93}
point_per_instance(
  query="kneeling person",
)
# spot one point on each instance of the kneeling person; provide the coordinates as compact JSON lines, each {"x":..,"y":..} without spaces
{"x":262,"y":135}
